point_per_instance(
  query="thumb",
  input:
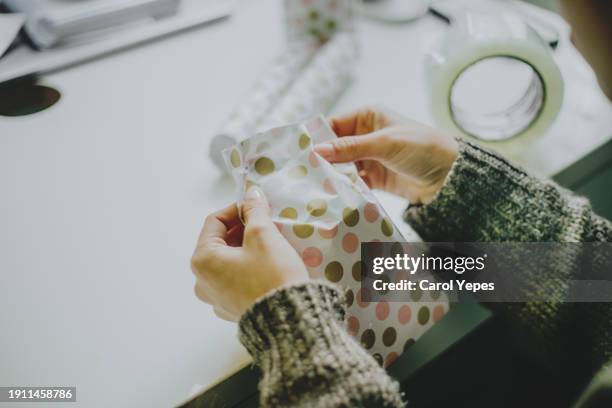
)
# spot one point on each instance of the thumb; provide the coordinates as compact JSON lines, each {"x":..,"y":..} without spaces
{"x":255,"y":209}
{"x":352,"y":148}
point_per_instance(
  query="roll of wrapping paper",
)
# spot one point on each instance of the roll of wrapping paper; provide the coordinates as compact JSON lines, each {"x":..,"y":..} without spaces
{"x":308,"y":24}
{"x":247,"y":117}
{"x":319,"y":19}
{"x":320,"y":84}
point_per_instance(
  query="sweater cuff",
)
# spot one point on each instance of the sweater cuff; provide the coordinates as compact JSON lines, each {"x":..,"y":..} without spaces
{"x":478,"y":182}
{"x":297,"y":315}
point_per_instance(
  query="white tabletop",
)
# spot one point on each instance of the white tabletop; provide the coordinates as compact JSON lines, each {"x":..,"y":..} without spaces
{"x":104,"y":194}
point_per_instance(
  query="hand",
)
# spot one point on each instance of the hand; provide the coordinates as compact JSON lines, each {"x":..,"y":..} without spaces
{"x":392,"y":153}
{"x":237,"y":264}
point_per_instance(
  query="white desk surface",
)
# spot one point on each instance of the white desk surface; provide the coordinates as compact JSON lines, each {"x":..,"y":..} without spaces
{"x":104,"y":194}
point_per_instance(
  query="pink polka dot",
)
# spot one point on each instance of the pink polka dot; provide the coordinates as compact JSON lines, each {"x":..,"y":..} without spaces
{"x":313,"y":159}
{"x":404,"y":314}
{"x":391,"y":357}
{"x":352,"y":325}
{"x":438,"y":313}
{"x":370,"y":212}
{"x":329,"y":187}
{"x":312,"y":257}
{"x":350,"y":242}
{"x":328,"y":232}
{"x":382,"y":310}
{"x":361,"y":295}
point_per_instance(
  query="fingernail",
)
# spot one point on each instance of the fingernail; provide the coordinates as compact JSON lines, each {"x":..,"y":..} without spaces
{"x":326,"y":150}
{"x":254,"y":193}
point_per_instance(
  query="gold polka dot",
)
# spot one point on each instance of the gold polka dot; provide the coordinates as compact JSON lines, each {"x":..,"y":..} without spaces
{"x":334,"y":271}
{"x":235,"y":158}
{"x":289,"y":212}
{"x":386,"y":227}
{"x":350,"y":216}
{"x":389,"y":336}
{"x":349,"y":297}
{"x":303,"y":230}
{"x":423,"y":315}
{"x":304,"y":141}
{"x":298,"y":172}
{"x":356,"y":271}
{"x":397,"y":249}
{"x":317,"y":207}
{"x":416,"y":294}
{"x":368,"y":338}
{"x":264,"y":166}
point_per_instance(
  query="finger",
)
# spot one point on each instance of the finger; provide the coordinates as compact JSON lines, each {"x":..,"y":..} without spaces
{"x":200,"y":292}
{"x":235,"y":236}
{"x":360,"y":122}
{"x":217,"y":225}
{"x":353,"y":148}
{"x":221,"y":313}
{"x":256,"y":209}
{"x":344,"y":125}
{"x":366,"y":178}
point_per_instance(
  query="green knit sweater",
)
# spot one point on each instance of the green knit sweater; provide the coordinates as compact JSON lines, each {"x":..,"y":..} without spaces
{"x":296,"y":335}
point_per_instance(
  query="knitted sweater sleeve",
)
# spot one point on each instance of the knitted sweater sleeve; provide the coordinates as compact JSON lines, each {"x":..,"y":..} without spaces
{"x":487,"y":199}
{"x":297,"y":337}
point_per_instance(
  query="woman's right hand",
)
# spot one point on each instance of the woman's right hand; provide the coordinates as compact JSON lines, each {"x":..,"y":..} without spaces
{"x":392,"y":153}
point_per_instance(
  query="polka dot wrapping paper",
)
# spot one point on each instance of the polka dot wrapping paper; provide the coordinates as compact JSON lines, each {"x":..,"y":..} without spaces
{"x":269,"y":88}
{"x":305,"y":79}
{"x":319,"y":85}
{"x":319,"y":19}
{"x":325,"y":211}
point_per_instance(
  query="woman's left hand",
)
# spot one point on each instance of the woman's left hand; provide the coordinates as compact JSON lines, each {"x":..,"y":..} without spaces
{"x":237,"y":264}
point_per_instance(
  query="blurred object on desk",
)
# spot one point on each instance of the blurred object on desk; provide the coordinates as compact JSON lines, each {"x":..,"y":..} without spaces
{"x":23,"y":60}
{"x":394,"y":11}
{"x":50,"y":22}
{"x":10,"y":24}
{"x":25,"y":97}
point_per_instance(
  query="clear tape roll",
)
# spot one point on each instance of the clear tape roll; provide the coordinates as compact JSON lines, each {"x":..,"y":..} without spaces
{"x":475,"y":38}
